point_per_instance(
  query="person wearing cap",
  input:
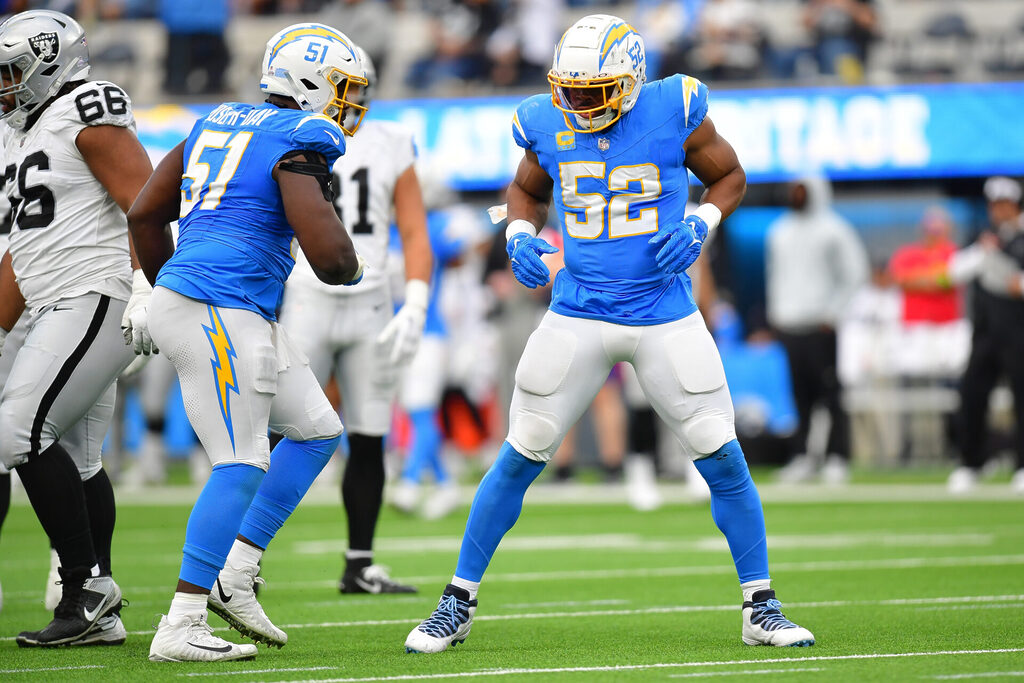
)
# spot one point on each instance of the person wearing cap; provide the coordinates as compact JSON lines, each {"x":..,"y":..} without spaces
{"x":996,"y":264}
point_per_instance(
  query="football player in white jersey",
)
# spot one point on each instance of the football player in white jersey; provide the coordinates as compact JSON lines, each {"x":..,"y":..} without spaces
{"x":350,"y":332}
{"x":73,"y":166}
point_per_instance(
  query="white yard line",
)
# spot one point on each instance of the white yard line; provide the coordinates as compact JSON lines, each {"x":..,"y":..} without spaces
{"x":261,"y":671}
{"x":986,"y":674}
{"x":744,"y":672}
{"x":659,"y":665}
{"x":639,"y":543}
{"x":50,"y":668}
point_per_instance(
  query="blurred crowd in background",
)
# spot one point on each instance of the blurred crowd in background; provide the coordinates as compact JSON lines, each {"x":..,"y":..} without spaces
{"x":841,"y":343}
{"x":449,"y":46}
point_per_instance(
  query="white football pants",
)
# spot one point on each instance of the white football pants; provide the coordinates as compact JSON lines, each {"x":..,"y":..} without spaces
{"x":338,"y":333}
{"x":566,"y":361}
{"x":61,"y":384}
{"x":239,"y":374}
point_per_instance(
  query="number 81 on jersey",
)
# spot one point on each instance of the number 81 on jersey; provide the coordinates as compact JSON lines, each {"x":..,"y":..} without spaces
{"x":586,"y":213}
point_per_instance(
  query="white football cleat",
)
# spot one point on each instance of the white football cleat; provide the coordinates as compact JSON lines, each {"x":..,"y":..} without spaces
{"x":53,"y":592}
{"x":962,"y":480}
{"x":448,"y":625}
{"x":109,"y":630}
{"x":641,"y":485}
{"x":442,"y":502}
{"x":835,"y":471}
{"x":233,"y":599}
{"x":404,"y":496}
{"x":1017,"y":482}
{"x":192,"y":640}
{"x":765,"y":624}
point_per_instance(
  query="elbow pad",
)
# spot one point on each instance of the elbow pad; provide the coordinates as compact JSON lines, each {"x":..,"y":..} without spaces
{"x":317,"y":169}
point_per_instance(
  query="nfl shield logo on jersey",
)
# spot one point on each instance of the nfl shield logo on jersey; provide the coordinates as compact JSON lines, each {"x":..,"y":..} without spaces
{"x":603,"y":144}
{"x":45,"y":45}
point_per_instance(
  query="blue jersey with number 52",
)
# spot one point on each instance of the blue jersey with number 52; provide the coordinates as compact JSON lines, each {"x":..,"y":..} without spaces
{"x":613,"y":189}
{"x":234,"y":242}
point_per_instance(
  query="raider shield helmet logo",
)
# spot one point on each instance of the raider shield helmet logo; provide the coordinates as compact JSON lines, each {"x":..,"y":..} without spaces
{"x":45,"y":45}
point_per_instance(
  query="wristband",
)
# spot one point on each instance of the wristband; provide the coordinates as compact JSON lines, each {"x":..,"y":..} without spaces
{"x":140,"y":285}
{"x":519,"y":225}
{"x":417,"y":294}
{"x":710,"y":214}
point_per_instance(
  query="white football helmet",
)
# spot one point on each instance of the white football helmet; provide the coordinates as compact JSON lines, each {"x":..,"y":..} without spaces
{"x":40,"y":51}
{"x":318,"y":67}
{"x":597,"y":73}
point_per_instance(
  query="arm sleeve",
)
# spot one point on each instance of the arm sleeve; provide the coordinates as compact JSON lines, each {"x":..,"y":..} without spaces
{"x":320,"y":134}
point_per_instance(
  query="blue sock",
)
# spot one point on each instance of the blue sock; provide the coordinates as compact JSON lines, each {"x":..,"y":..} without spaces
{"x":215,"y":519}
{"x":495,"y":509}
{"x":294,"y":466}
{"x":736,"y":509}
{"x":426,"y":447}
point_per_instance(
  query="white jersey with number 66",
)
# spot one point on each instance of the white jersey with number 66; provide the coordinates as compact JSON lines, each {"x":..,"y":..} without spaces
{"x":68,"y":237}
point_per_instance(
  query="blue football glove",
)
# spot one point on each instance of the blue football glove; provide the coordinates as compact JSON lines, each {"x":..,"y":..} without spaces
{"x":681,"y":244}
{"x":524,"y":253}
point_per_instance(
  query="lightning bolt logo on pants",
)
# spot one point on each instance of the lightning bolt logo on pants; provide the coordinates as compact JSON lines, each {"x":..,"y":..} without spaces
{"x":223,"y":367}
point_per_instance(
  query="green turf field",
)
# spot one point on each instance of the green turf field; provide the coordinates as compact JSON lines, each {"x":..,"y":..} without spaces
{"x":925,"y":589}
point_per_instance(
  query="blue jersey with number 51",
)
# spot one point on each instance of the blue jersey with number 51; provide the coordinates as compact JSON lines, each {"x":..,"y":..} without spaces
{"x":613,"y":189}
{"x":234,"y":242}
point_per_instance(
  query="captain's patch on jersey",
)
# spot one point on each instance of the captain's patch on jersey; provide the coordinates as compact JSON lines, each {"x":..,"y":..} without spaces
{"x":46,"y":46}
{"x":565,"y":140}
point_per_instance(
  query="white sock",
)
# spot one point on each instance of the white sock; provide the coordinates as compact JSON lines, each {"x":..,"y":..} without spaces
{"x":191,"y":605}
{"x":471,"y":586}
{"x":359,"y":555}
{"x":95,"y":571}
{"x":751,"y":587}
{"x":243,"y":555}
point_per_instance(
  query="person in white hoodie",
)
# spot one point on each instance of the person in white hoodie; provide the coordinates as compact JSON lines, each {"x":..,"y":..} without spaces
{"x":815,"y":262}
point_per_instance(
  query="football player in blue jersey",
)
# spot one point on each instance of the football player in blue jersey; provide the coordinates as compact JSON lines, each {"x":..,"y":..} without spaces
{"x":246,"y":182}
{"x":613,"y":153}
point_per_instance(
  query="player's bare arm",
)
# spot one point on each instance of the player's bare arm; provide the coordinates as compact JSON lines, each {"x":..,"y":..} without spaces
{"x":118,"y":160}
{"x":529,"y":195}
{"x":12,"y":303}
{"x":323,"y":238}
{"x":411,"y":218}
{"x":157,"y":204}
{"x":713,"y":160}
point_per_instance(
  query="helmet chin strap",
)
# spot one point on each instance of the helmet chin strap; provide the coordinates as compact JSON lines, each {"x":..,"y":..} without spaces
{"x":596,"y":121}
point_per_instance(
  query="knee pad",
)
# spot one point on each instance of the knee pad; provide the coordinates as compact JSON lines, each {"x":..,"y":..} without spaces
{"x":708,"y":432}
{"x":545,"y":362}
{"x":534,"y":433}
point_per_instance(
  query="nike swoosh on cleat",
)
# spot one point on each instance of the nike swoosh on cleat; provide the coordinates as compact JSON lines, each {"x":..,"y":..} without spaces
{"x":367,"y":586}
{"x":220,"y":591}
{"x":91,"y":616}
{"x":226,"y":648}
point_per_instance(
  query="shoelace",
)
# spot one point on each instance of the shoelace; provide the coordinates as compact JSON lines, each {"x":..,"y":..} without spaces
{"x":445,"y":620}
{"x":200,"y":631}
{"x":768,"y":615}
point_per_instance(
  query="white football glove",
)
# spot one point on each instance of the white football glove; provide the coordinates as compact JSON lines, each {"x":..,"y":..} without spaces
{"x":135,"y":321}
{"x":406,"y":329}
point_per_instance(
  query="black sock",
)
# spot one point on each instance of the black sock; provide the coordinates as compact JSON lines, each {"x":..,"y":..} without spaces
{"x":362,"y":488}
{"x":55,"y":490}
{"x":99,"y":500}
{"x":5,"y":497}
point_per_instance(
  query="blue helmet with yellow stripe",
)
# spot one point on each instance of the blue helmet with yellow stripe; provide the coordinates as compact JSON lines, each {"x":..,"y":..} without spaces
{"x":319,"y":68}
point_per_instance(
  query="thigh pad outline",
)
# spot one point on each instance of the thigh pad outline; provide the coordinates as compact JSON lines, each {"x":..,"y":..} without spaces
{"x":546,"y":360}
